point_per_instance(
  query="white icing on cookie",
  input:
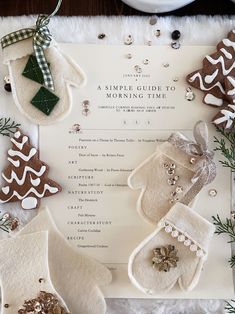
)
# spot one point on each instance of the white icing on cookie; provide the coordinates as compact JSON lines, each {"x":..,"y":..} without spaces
{"x":29,"y":203}
{"x":17,"y":134}
{"x":221,"y":61}
{"x":35,"y":182}
{"x":228,"y":43}
{"x":227,"y":116}
{"x":15,"y":163}
{"x":52,"y":190}
{"x":210,"y":78}
{"x":202,"y":87}
{"x":231,"y":92}
{"x":226,"y":53}
{"x":13,"y":153}
{"x":20,"y":144}
{"x":21,"y":181}
{"x":212,"y":100}
{"x":5,"y":190}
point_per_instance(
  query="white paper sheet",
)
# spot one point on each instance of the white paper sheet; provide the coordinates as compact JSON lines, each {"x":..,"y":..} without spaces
{"x":130,"y":114}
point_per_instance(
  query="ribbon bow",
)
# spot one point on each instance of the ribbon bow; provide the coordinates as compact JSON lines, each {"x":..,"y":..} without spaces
{"x":41,"y":40}
{"x":206,"y":171}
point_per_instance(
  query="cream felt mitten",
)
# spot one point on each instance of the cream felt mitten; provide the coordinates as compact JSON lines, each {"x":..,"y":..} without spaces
{"x":39,"y":104}
{"x":177,"y":171}
{"x":77,"y":278}
{"x":24,"y":271}
{"x":174,"y":252}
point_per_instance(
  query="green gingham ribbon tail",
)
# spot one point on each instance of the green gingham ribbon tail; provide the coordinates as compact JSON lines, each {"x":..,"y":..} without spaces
{"x":41,"y":41}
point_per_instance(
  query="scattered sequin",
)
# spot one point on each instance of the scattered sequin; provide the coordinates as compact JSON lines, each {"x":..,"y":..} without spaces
{"x":129,"y":56}
{"x":7,"y":85}
{"x":153,"y":20}
{"x":192,"y":160}
{"x":76,"y":127}
{"x":189,"y":94}
{"x":158,"y":33}
{"x":138,"y":69}
{"x":101,"y":36}
{"x":212,"y":192}
{"x":175,"y":35}
{"x":175,"y":79}
{"x":166,"y":64}
{"x":175,"y":45}
{"x":146,"y":61}
{"x":128,"y":40}
{"x":149,"y":43}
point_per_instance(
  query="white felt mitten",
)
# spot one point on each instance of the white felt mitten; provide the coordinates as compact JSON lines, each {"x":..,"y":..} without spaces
{"x":177,"y":171}
{"x":76,"y":277}
{"x":24,"y":270}
{"x":64,"y":72}
{"x":175,"y":251}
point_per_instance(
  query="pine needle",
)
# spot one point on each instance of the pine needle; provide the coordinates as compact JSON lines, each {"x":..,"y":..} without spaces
{"x":8,"y":126}
{"x":226,"y":146}
{"x":229,"y":307}
{"x":226,"y":227}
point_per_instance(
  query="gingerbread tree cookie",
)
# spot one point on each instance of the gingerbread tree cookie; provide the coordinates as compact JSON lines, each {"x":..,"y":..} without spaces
{"x":216,"y":68}
{"x":26,"y":175}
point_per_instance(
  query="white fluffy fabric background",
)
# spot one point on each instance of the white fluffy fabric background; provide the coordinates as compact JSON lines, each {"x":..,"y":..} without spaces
{"x":199,"y":30}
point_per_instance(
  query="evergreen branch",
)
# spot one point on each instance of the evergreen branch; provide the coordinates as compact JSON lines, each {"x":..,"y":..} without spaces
{"x":232,"y":261}
{"x":227,"y":150}
{"x":227,"y":227}
{"x":229,"y":307}
{"x":8,"y":223}
{"x":8,"y":126}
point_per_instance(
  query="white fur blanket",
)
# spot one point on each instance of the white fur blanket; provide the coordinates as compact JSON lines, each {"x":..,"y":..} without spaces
{"x":199,"y":30}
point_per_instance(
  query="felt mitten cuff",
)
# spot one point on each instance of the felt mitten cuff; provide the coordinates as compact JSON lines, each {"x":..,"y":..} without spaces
{"x":176,"y":172}
{"x":75,"y":276}
{"x":37,"y":103}
{"x":174,"y":252}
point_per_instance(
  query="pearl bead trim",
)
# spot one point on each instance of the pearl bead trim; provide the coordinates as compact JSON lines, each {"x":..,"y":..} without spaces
{"x":177,"y":234}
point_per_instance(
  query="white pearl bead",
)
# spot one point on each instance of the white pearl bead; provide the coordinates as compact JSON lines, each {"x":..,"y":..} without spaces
{"x":168,"y":229}
{"x":175,"y":234}
{"x":187,"y":242}
{"x":193,"y":248}
{"x":181,"y":238}
{"x":200,"y":253}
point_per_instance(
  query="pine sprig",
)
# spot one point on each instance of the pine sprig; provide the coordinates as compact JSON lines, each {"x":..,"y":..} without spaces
{"x":8,"y":126}
{"x":226,"y":145}
{"x":229,"y":307}
{"x":226,"y":227}
{"x":232,"y":261}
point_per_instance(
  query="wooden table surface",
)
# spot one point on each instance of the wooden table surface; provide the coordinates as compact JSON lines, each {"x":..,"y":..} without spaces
{"x":107,"y":7}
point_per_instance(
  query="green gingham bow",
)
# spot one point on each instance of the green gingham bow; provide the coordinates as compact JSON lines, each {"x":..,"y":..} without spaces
{"x":41,"y":40}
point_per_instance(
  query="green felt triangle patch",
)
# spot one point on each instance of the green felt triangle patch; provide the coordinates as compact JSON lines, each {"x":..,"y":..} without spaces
{"x":32,"y":70}
{"x":45,"y":100}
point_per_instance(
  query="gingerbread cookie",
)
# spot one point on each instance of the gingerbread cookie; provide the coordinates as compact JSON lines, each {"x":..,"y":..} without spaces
{"x":26,"y":175}
{"x":225,"y":118}
{"x":216,"y":68}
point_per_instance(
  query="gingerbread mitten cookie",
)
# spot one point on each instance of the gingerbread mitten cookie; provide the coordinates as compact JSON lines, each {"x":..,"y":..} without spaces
{"x":177,"y":171}
{"x":71,"y":269}
{"x":216,"y":68}
{"x":26,"y":176}
{"x":175,"y":252}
